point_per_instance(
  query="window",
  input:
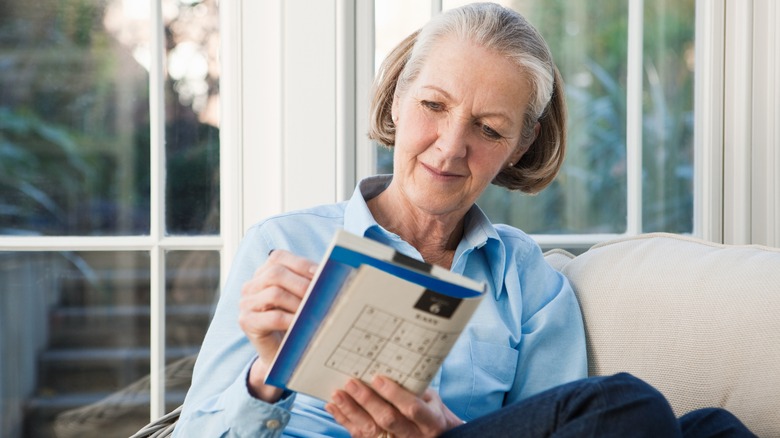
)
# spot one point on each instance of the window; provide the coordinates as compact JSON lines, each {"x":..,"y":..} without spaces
{"x":110,"y":219}
{"x":111,"y":248}
{"x":628,"y":70}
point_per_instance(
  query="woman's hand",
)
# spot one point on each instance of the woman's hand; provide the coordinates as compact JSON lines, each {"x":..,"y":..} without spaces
{"x":268,"y":302}
{"x":385,"y":406}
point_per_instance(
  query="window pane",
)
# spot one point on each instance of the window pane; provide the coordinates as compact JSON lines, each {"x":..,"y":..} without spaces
{"x":74,"y":133}
{"x":192,"y":119}
{"x":74,"y":338}
{"x":192,"y":289}
{"x":668,"y":116}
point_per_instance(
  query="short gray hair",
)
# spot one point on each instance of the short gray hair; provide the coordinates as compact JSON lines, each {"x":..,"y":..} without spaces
{"x":507,"y":33}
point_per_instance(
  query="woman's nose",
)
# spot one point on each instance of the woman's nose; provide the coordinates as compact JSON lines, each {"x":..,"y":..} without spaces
{"x":453,"y":138}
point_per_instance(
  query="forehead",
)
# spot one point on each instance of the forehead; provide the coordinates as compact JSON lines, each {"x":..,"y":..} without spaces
{"x":469,"y":72}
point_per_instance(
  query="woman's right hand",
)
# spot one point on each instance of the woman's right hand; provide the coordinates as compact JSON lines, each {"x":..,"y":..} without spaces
{"x":268,"y":302}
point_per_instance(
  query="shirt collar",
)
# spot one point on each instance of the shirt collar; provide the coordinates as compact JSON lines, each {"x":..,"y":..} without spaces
{"x":479,"y":234}
{"x":357,"y":217}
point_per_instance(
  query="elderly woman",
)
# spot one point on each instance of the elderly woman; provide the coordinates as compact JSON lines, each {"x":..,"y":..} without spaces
{"x":474,"y":98}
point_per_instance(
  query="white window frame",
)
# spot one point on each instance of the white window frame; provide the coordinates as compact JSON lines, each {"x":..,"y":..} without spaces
{"x":156,"y":244}
{"x":737,"y":104}
{"x":736,"y":100}
{"x":294,"y":86}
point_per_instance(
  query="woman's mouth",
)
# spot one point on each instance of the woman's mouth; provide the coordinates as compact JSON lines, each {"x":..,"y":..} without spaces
{"x":438,"y":172}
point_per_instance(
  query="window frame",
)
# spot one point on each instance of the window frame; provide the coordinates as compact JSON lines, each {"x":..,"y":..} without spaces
{"x":271,"y":162}
{"x":157,"y":243}
{"x":735,"y":190}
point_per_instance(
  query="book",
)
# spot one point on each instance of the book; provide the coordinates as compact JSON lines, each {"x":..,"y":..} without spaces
{"x":371,"y":310}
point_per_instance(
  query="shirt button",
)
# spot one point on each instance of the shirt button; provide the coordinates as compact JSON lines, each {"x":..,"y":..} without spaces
{"x":273,"y":424}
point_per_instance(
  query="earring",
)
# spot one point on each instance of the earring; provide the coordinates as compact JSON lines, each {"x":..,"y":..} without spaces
{"x":510,"y":164}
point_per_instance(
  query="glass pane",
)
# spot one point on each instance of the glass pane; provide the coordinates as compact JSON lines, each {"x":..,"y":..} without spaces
{"x":192,"y":118}
{"x":668,"y":116}
{"x":192,"y":289}
{"x":74,"y":125}
{"x":74,"y":342}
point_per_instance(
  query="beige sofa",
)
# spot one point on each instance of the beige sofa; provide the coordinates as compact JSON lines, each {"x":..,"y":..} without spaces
{"x":697,"y":320}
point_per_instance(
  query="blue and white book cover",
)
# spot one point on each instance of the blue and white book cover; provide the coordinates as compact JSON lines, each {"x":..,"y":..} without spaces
{"x":369,"y":310}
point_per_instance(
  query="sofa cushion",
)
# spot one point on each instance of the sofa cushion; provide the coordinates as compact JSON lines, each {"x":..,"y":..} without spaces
{"x":558,"y":258}
{"x":697,"y":320}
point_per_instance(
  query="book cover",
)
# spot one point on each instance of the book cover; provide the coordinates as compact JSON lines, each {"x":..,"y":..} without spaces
{"x":371,"y":310}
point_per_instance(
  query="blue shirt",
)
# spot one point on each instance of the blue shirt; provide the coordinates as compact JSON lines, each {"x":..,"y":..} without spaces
{"x":526,"y":336}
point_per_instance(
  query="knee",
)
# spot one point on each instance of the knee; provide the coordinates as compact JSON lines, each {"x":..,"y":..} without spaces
{"x":625,"y":389}
{"x":627,"y":384}
{"x":623,"y":403}
{"x":715,"y":421}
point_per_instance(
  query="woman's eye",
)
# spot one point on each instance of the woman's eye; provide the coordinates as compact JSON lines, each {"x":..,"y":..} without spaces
{"x":491,"y":133}
{"x":433,"y":106}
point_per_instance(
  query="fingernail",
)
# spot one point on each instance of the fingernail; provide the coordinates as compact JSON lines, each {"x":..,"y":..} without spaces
{"x":378,"y":382}
{"x":338,"y":398}
{"x":351,"y":387}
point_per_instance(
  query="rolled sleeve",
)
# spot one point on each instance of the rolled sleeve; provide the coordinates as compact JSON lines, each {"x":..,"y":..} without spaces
{"x":236,"y":413}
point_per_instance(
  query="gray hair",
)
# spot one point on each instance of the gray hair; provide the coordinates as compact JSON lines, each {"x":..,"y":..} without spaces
{"x":497,"y":29}
{"x":509,"y":34}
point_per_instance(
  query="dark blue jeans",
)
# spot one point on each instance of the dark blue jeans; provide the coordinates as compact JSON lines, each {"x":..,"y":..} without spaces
{"x":611,"y":406}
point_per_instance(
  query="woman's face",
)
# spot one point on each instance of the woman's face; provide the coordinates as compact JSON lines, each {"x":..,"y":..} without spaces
{"x":458,"y":124}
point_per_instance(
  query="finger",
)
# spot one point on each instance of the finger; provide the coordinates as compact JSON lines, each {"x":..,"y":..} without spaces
{"x":267,"y":298}
{"x":352,"y":416}
{"x":384,"y":414}
{"x":419,"y":410}
{"x":297,"y":264}
{"x":266,"y":322}
{"x":275,"y":275}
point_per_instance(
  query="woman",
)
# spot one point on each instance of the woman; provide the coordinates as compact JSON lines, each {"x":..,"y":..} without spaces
{"x":473,"y":99}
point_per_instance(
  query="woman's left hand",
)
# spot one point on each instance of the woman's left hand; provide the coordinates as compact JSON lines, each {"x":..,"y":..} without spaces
{"x":385,"y":407}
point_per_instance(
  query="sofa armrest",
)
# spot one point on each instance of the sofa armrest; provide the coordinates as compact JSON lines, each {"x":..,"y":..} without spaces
{"x":697,"y":320}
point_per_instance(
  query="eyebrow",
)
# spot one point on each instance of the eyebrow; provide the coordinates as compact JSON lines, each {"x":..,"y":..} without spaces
{"x":478,"y":116}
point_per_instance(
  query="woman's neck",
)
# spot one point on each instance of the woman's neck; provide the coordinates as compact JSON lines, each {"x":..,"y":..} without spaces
{"x":435,"y":236}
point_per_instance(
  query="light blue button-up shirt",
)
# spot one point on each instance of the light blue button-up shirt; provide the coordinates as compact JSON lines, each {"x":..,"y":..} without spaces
{"x":525,"y":337}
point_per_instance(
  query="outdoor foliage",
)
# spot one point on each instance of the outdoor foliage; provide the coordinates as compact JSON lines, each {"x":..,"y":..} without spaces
{"x":74,"y":127}
{"x":589,"y":42}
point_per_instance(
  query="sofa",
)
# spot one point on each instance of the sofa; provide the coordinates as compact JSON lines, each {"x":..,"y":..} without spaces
{"x":697,"y":320}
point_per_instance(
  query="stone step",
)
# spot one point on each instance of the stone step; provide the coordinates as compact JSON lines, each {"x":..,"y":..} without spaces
{"x":124,"y":326}
{"x":87,"y":415}
{"x":96,"y":370}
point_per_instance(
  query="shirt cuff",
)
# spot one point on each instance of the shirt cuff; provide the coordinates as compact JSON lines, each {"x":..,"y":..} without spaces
{"x":250,"y":416}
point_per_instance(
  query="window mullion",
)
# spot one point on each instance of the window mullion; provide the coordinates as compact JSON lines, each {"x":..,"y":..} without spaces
{"x":709,"y":122}
{"x":157,"y":197}
{"x":737,"y":136}
{"x":345,"y":98}
{"x":231,"y":145}
{"x":436,"y":7}
{"x":365,"y":151}
{"x":634,"y":117}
